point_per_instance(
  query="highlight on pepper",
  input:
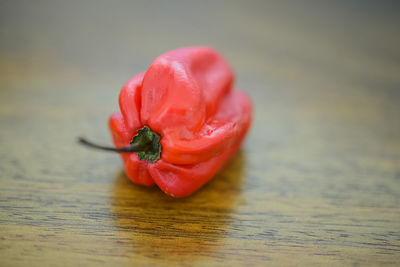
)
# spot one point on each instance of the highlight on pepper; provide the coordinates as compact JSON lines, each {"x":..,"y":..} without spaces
{"x":180,"y":121}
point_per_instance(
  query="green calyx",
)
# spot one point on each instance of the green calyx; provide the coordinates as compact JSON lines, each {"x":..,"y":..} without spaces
{"x":147,"y":144}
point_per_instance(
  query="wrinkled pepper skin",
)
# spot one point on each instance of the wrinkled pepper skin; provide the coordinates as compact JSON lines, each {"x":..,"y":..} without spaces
{"x":186,"y":96}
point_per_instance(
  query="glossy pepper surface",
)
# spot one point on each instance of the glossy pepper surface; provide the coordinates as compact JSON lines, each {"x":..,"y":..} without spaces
{"x":187,"y":98}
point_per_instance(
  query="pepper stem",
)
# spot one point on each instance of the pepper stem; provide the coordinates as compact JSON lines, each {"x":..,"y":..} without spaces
{"x":146,"y":144}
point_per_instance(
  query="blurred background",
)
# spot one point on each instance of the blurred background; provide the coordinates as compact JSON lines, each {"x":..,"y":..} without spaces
{"x":324,"y":77}
{"x":267,"y":42}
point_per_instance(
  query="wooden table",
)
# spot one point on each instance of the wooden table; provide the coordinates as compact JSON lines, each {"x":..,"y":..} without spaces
{"x":317,"y":181}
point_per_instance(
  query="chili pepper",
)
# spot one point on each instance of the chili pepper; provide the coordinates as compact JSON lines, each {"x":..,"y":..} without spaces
{"x":180,"y":121}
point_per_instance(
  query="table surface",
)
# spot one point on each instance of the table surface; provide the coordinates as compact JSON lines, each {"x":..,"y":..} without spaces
{"x":317,"y":181}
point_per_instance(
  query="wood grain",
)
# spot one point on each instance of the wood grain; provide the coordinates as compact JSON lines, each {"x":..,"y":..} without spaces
{"x":317,"y":181}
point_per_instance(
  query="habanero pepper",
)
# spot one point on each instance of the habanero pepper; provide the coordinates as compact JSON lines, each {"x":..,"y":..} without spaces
{"x":180,"y":121}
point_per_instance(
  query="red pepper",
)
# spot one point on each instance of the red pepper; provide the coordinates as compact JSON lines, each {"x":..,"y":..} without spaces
{"x":185,"y":99}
